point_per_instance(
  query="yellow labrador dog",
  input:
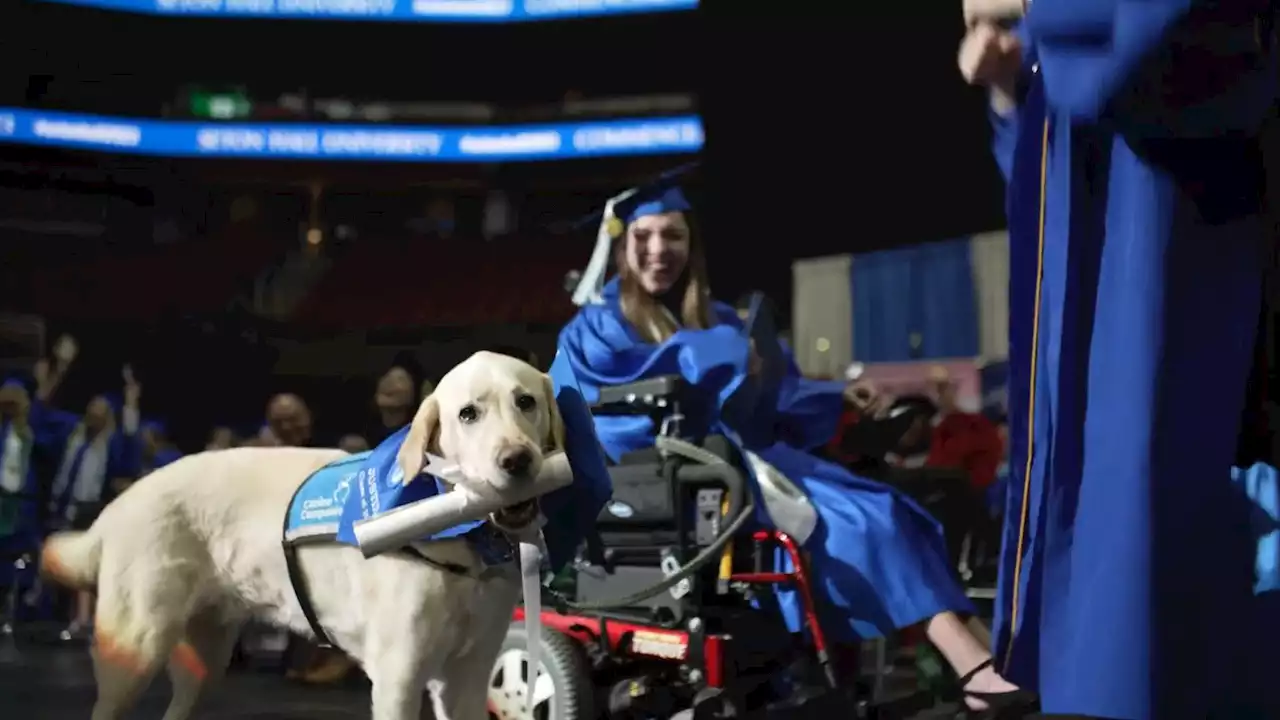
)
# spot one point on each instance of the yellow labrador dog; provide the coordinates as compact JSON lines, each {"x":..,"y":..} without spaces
{"x":191,"y":552}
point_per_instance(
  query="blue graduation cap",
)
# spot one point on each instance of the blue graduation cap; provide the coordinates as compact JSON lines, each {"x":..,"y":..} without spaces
{"x":663,"y":195}
{"x":652,"y":202}
{"x":19,"y":380}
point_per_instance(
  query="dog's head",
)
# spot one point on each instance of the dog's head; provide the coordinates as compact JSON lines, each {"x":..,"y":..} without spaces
{"x":495,"y":417}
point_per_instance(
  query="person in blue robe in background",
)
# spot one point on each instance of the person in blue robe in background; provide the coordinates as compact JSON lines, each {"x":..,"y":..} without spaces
{"x":1130,"y":134}
{"x":154,"y":449}
{"x":878,"y":560}
{"x":28,"y":446}
{"x":18,"y":515}
{"x":100,"y":457}
{"x":20,"y":526}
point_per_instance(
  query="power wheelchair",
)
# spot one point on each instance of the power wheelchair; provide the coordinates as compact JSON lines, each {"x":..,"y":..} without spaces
{"x":712,"y":642}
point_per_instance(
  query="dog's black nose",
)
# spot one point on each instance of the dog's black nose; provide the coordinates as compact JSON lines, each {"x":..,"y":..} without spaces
{"x":516,"y":462}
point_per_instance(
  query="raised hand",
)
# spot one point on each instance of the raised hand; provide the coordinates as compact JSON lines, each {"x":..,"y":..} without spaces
{"x":990,"y":56}
{"x":993,"y":11}
{"x":132,"y":389}
{"x":42,"y":372}
{"x":65,"y":350}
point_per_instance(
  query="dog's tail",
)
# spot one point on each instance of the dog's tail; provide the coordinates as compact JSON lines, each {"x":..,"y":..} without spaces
{"x":71,"y":558}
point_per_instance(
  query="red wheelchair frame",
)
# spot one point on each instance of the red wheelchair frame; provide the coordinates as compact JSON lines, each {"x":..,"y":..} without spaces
{"x":615,"y":635}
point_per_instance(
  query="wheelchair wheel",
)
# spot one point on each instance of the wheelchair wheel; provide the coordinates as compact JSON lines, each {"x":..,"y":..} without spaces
{"x":563,"y":689}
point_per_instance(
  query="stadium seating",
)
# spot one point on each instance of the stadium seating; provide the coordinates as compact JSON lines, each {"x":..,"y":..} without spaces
{"x":439,"y":283}
{"x":200,"y":276}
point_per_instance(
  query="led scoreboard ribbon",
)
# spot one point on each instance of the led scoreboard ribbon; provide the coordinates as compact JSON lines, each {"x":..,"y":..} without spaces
{"x":409,"y":143}
{"x":390,"y":10}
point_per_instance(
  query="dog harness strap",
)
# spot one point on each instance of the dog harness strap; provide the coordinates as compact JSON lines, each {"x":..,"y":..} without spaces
{"x":299,"y":584}
{"x":296,"y":579}
{"x":439,"y":565}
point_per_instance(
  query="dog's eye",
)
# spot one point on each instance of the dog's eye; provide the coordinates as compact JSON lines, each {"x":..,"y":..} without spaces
{"x":526,"y":403}
{"x":468,"y":413}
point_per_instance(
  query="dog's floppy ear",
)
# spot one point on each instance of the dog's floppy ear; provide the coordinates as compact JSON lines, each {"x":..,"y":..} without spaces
{"x":555,"y":433}
{"x":424,"y":434}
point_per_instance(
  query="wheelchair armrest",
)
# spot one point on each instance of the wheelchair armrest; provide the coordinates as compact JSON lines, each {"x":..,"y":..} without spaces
{"x":642,"y":395}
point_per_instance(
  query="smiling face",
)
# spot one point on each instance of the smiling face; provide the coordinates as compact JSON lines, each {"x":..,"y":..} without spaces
{"x":657,"y":250}
{"x":395,"y":390}
{"x":289,"y":419}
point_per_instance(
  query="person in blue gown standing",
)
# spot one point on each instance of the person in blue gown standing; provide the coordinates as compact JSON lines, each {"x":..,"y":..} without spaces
{"x":99,"y":459}
{"x":20,"y":526}
{"x":19,"y":516}
{"x":878,"y":561}
{"x":154,"y":448}
{"x":1130,"y":134}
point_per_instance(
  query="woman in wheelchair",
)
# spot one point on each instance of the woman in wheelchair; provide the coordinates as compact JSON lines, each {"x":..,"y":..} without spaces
{"x":879,"y":560}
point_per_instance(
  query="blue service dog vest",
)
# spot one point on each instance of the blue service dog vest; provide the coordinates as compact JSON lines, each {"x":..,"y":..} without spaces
{"x":353,"y":488}
{"x":327,"y":503}
{"x":320,"y":505}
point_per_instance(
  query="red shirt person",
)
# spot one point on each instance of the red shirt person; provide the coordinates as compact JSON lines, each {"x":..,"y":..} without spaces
{"x":960,"y":439}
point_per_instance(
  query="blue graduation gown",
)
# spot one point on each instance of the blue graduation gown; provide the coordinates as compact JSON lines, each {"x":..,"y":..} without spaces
{"x":54,"y":429}
{"x":19,"y":516}
{"x":1260,"y":482}
{"x":879,"y":562}
{"x":1136,"y":261}
{"x":164,"y":456}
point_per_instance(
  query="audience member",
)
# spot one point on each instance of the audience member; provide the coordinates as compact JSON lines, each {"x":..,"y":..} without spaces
{"x":288,"y":422}
{"x":17,"y":442}
{"x":99,"y":459}
{"x":221,"y":438}
{"x":960,"y":439}
{"x":156,"y":449}
{"x":395,"y":401}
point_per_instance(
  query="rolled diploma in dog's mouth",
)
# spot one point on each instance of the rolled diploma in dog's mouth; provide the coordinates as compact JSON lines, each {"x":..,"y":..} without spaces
{"x":469,"y":502}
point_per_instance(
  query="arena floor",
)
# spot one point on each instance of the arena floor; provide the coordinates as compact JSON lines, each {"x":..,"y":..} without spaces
{"x":42,"y":680}
{"x":52,"y":682}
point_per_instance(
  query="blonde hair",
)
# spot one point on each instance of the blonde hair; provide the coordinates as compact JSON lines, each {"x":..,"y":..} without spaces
{"x":643,"y":310}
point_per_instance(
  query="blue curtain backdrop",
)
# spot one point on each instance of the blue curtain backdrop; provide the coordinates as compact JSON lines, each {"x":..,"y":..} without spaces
{"x":916,"y":303}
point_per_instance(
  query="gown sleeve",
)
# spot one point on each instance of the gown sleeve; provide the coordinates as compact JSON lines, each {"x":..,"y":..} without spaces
{"x":809,"y":411}
{"x":51,"y":426}
{"x":1006,"y":126}
{"x":1156,"y":67}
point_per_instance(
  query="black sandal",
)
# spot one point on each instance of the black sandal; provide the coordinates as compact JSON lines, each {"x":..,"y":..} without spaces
{"x":1000,"y":706}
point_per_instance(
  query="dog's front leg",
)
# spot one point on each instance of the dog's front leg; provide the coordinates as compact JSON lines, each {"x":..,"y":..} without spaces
{"x":398,"y":671}
{"x":462,"y":684}
{"x":398,"y":678}
{"x":410,"y":628}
